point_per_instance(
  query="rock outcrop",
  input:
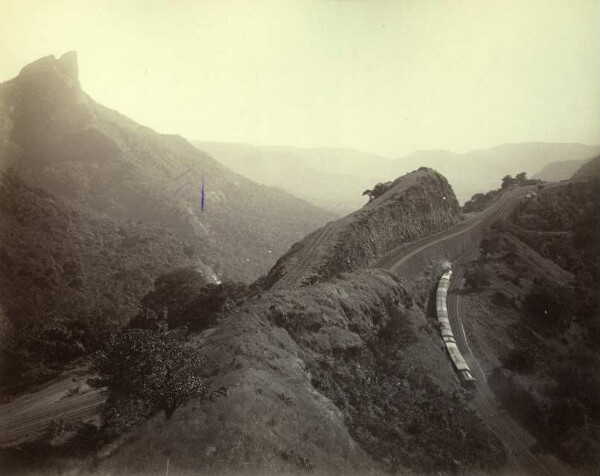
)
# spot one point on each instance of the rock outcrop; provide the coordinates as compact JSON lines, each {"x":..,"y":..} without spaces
{"x":415,"y":205}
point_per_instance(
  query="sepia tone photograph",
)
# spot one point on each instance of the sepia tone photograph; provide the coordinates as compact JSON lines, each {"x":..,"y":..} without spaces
{"x":299,"y":237}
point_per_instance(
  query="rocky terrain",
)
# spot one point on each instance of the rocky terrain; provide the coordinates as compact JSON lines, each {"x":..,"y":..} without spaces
{"x":415,"y":205}
{"x":322,"y":366}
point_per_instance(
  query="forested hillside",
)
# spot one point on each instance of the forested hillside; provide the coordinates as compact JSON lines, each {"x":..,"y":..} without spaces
{"x":532,"y":302}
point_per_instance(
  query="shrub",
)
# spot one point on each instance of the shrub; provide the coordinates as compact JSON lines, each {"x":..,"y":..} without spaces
{"x":145,"y":372}
{"x":477,"y":278}
{"x":548,"y":303}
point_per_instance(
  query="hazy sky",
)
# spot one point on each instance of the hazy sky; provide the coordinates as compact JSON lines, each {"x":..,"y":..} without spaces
{"x":385,"y":77}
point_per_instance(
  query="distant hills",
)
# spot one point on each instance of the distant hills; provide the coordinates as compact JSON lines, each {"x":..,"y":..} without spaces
{"x":336,"y":178}
{"x":330,"y":178}
{"x":556,"y":171}
{"x":588,"y":169}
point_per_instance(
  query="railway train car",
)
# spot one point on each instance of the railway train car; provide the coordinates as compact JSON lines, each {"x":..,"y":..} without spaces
{"x":458,"y":360}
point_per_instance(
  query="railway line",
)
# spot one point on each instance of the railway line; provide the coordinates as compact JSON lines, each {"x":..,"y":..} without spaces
{"x":517,"y":440}
{"x":307,"y":258}
{"x":30,"y":415}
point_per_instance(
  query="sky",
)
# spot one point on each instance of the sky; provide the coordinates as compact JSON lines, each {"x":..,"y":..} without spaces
{"x":386,"y":77}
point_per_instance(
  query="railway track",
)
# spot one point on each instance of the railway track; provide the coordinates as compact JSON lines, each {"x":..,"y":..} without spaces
{"x":308,"y":257}
{"x":516,"y":439}
{"x":29,"y":416}
{"x":518,"y":442}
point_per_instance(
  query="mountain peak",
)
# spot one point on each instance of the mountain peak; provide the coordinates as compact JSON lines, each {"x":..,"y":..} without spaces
{"x":47,"y":68}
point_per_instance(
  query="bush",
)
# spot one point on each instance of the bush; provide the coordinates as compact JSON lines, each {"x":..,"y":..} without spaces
{"x":548,"y":303}
{"x":182,"y":297}
{"x":145,"y":372}
{"x":477,"y":277}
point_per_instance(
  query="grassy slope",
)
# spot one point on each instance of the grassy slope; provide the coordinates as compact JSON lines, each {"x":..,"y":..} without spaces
{"x":342,"y":377}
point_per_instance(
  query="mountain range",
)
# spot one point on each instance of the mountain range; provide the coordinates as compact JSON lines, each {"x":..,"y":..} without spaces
{"x":336,"y":178}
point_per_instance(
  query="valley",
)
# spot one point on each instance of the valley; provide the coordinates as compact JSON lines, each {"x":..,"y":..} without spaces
{"x":299,"y":238}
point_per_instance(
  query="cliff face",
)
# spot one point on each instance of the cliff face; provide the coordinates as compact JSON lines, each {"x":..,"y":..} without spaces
{"x":415,"y":205}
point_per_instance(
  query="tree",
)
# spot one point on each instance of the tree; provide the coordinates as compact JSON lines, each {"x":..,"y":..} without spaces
{"x":507,"y":181}
{"x":145,"y":372}
{"x":521,"y":176}
{"x":377,"y":191}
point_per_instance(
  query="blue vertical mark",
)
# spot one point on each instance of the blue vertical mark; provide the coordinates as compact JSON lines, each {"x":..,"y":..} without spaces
{"x":202,"y":195}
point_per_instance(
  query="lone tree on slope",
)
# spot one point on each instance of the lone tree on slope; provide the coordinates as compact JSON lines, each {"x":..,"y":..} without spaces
{"x":377,"y":191}
{"x":146,"y":372}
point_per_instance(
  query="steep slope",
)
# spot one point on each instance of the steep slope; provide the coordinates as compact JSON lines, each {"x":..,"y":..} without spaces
{"x":343,"y":377}
{"x":68,"y":277}
{"x":331,"y":178}
{"x":414,"y":206}
{"x":557,"y":171}
{"x":531,"y":313}
{"x":57,"y":138}
{"x":589,"y":169}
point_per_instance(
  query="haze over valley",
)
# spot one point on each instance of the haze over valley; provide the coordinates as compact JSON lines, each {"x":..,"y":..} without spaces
{"x":299,"y":237}
{"x":335,"y":178}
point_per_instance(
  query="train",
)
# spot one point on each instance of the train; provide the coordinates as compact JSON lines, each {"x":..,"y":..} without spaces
{"x":461,"y":366}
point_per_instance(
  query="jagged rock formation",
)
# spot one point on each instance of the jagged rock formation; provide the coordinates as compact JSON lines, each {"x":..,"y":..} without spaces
{"x":58,"y":138}
{"x":416,"y":205}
